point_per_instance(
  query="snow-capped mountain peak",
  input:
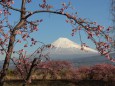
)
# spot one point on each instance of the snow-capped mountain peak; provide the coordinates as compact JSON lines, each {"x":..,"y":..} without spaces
{"x":66,"y":43}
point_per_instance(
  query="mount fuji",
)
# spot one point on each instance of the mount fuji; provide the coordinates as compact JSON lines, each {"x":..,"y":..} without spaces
{"x":67,"y":49}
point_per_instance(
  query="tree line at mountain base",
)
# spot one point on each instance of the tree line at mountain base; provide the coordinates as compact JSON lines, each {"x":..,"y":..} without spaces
{"x":61,"y":83}
{"x":64,"y":71}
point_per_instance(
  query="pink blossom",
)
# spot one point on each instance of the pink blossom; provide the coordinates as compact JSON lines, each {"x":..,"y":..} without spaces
{"x":0,"y":11}
{"x":18,"y":32}
{"x":25,"y":45}
{"x":12,"y":2}
{"x":21,"y":51}
{"x":19,"y":41}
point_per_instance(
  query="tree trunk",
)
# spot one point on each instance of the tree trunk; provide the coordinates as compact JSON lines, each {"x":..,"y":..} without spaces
{"x":28,"y":79}
{"x":9,"y":52}
{"x":7,"y":59}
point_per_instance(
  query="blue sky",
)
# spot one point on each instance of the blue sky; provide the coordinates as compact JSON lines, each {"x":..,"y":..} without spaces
{"x":54,"y":26}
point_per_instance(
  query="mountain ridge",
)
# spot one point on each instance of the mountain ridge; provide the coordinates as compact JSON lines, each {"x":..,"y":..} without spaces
{"x":66,"y":43}
{"x":63,"y":48}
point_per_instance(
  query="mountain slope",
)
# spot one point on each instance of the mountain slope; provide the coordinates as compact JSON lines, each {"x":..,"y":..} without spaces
{"x":65,"y":49}
{"x":66,"y":43}
{"x":93,"y":60}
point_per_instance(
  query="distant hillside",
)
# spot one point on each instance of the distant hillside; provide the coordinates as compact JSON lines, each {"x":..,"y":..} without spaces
{"x":92,"y":60}
{"x":65,"y":49}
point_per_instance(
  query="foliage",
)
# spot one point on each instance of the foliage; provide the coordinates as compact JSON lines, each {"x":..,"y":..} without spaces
{"x":105,"y":72}
{"x":64,"y":70}
{"x":57,"y":69}
{"x":24,"y":63}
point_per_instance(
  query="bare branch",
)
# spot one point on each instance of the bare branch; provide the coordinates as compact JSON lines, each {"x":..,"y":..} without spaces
{"x":81,"y":23}
{"x":23,"y":9}
{"x":10,"y":7}
{"x":17,"y":68}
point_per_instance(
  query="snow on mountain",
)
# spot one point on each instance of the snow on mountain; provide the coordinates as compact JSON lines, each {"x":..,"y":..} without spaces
{"x":66,"y":43}
{"x":67,"y":49}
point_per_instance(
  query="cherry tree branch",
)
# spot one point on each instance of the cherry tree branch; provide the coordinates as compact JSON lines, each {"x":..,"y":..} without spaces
{"x":10,"y":7}
{"x":23,"y":9}
{"x":84,"y":24}
{"x":18,"y":68}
